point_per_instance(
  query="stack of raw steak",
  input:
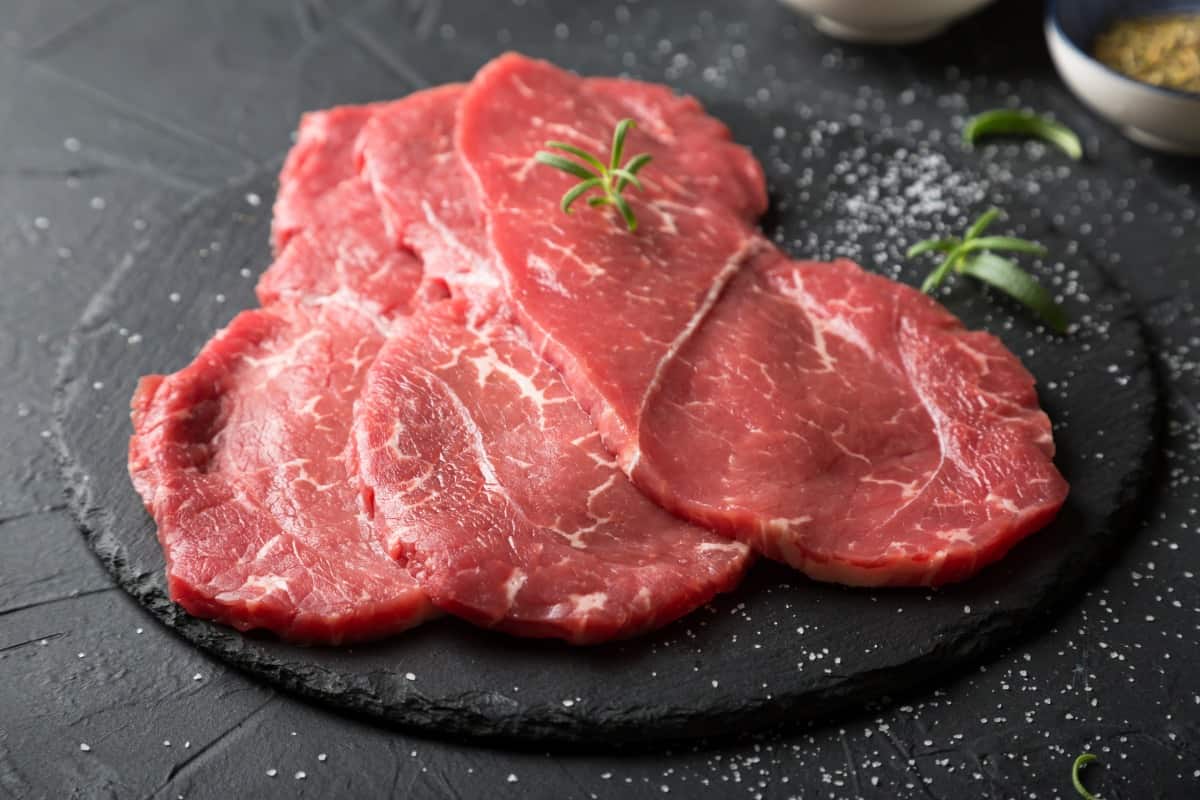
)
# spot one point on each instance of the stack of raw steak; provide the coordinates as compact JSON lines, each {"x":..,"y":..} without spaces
{"x":457,"y":398}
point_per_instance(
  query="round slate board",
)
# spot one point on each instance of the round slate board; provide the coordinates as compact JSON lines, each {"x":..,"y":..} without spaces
{"x":778,"y":650}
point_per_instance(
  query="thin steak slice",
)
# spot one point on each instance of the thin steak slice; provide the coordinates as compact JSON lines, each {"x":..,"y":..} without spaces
{"x":328,"y":231}
{"x":242,"y":459}
{"x":321,"y":158}
{"x":348,"y":253}
{"x":406,"y":152}
{"x":609,"y":308}
{"x":850,"y":427}
{"x":491,"y":486}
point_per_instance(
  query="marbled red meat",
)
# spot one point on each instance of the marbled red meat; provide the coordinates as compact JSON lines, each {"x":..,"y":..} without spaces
{"x":242,"y":459}
{"x":852,"y":427}
{"x":834,"y":419}
{"x":320,"y":159}
{"x":486,"y":476}
{"x":491,"y":486}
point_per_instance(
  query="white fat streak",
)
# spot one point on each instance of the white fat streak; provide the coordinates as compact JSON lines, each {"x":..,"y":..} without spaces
{"x":941,"y":428}
{"x":783,"y":524}
{"x":257,"y":586}
{"x":515,"y":581}
{"x":601,"y":489}
{"x":481,"y":266}
{"x":278,"y":362}
{"x":520,"y":85}
{"x":544,"y":271}
{"x":491,"y":480}
{"x":490,"y":363}
{"x":570,"y":254}
{"x":907,"y":488}
{"x":586,"y":603}
{"x":1003,"y":503}
{"x":728,"y":270}
{"x":267,"y":548}
{"x":728,"y":546}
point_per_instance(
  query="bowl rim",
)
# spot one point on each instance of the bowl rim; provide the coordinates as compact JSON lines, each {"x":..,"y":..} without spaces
{"x":1053,"y":24}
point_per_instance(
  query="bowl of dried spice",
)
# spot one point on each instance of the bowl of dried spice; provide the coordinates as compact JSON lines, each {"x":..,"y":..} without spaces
{"x":1135,"y":63}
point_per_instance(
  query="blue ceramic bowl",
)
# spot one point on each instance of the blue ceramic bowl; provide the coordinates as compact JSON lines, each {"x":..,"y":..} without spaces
{"x":1157,"y":117}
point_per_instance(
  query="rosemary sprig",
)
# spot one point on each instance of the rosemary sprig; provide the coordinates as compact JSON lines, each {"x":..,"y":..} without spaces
{"x":1086,"y":758}
{"x":975,"y":254}
{"x":1010,"y":122}
{"x":609,"y":179}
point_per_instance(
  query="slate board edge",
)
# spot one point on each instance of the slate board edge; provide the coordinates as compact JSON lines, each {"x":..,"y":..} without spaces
{"x":550,"y":726}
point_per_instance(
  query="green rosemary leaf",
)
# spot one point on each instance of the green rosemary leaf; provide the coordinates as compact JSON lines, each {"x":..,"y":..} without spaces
{"x":626,"y":212}
{"x":576,"y":191}
{"x":1006,"y":121}
{"x":1007,"y":244}
{"x":610,"y":180}
{"x":1082,"y":760}
{"x":618,"y":142}
{"x":578,"y":152}
{"x":637,"y":162}
{"x":935,"y":278}
{"x":931,"y":246}
{"x":972,"y":255}
{"x":565,"y":164}
{"x":982,"y":224}
{"x":1018,"y":284}
{"x":625,"y":176}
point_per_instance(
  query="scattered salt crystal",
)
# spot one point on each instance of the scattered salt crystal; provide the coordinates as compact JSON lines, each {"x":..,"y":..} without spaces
{"x":271,"y":773}
{"x":85,"y":747}
{"x":253,"y":199}
{"x":301,"y":775}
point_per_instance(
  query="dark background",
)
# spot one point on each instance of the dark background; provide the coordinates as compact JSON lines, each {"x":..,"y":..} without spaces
{"x":114,"y":116}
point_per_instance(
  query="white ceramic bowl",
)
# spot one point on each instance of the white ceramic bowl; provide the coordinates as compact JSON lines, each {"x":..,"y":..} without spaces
{"x":1162,"y":119}
{"x":885,"y":21}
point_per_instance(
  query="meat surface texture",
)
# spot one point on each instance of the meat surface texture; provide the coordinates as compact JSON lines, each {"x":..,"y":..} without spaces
{"x":835,"y":420}
{"x":850,"y":426}
{"x":457,"y":397}
{"x":321,"y":158}
{"x":407,"y":155}
{"x":607,"y":307}
{"x":328,"y":227}
{"x":491,"y":486}
{"x":242,"y":459}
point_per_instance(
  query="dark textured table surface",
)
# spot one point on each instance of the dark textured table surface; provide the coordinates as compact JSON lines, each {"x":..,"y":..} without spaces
{"x":115,"y":116}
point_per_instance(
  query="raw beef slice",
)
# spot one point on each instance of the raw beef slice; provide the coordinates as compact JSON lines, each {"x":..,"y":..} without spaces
{"x":852,"y":427}
{"x":835,"y":420}
{"x":320,"y":159}
{"x":608,"y":307}
{"x":406,"y":153}
{"x":241,"y":458}
{"x":328,"y":231}
{"x":492,"y":487}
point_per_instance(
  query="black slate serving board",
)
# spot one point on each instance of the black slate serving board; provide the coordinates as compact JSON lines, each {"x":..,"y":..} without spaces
{"x":781,"y":648}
